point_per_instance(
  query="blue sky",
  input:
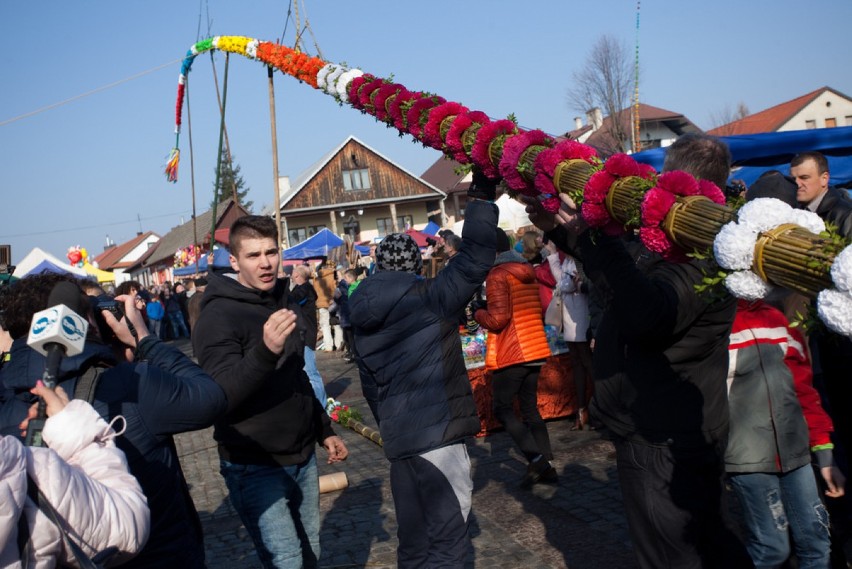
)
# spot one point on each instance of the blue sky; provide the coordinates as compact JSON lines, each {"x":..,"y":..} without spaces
{"x":92,"y":167}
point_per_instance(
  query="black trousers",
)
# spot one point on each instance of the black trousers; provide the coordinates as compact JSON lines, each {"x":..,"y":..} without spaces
{"x":673,"y":502}
{"x":531,"y":434}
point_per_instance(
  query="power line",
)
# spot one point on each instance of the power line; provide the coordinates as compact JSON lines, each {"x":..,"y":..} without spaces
{"x":92,"y":92}
{"x":139,"y":220}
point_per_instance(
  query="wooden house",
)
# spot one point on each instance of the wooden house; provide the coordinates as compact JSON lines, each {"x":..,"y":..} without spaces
{"x":354,"y":190}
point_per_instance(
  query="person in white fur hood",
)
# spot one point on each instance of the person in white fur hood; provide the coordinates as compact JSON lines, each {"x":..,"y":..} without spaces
{"x":84,"y":477}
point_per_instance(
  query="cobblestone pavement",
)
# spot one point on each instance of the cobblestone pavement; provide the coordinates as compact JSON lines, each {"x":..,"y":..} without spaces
{"x":578,"y":523}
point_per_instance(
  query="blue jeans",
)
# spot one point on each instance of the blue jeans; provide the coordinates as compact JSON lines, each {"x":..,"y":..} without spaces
{"x":178,"y":325}
{"x":279,"y":505}
{"x":776,"y":504}
{"x":314,"y":376}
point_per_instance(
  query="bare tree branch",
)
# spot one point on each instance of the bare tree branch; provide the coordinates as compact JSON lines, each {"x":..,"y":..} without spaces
{"x":723,"y":117}
{"x":606,"y":82}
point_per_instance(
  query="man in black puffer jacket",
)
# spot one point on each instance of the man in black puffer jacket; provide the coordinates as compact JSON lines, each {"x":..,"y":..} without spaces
{"x":414,"y":379}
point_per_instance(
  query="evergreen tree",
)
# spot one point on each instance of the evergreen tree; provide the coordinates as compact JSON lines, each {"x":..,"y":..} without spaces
{"x":231,"y":182}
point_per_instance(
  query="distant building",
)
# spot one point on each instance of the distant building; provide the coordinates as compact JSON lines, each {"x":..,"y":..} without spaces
{"x":356,"y":191}
{"x":444,"y":174}
{"x":823,"y":108}
{"x":118,"y":258}
{"x":156,"y":266}
{"x":657,"y":128}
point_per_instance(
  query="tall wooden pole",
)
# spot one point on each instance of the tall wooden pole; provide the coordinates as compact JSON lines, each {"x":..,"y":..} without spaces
{"x":219,"y":154}
{"x":192,"y":178}
{"x":277,"y":194}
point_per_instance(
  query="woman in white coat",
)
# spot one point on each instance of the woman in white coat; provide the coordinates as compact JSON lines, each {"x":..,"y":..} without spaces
{"x":575,"y":329}
{"x":83,"y":476}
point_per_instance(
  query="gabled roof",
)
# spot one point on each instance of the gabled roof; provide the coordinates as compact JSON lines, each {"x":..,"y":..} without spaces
{"x":771,"y":119}
{"x":442,"y":174}
{"x":183,"y":235}
{"x":308,"y":174}
{"x":111,"y":258}
{"x":605,"y":142}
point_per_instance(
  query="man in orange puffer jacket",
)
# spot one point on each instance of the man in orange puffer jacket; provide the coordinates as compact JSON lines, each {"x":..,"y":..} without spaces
{"x":515,"y":351}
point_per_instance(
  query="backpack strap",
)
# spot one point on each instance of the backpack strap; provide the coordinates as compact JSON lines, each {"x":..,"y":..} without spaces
{"x":87,"y":384}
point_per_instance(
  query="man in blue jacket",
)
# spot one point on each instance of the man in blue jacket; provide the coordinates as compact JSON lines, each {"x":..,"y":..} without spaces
{"x":160,"y":394}
{"x":414,"y":379}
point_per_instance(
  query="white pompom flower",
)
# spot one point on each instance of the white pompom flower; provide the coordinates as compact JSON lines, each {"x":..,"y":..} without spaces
{"x":331,"y":80}
{"x":323,"y":73}
{"x":835,"y":310}
{"x":343,"y":83}
{"x":733,"y":247}
{"x":841,"y":270}
{"x":807,"y":219}
{"x":747,"y":285}
{"x":764,"y":214}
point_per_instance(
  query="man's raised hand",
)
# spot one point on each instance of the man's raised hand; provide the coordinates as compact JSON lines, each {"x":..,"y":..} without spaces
{"x":278,"y":328}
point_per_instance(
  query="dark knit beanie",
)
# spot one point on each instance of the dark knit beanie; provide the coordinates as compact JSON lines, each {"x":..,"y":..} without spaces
{"x":399,"y":252}
{"x":502,"y":243}
{"x":774,"y":184}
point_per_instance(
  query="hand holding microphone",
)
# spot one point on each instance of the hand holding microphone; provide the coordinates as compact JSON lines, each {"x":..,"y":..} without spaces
{"x":55,"y":332}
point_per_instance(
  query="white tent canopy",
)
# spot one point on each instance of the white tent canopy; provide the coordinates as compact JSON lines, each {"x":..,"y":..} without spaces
{"x":42,"y":260}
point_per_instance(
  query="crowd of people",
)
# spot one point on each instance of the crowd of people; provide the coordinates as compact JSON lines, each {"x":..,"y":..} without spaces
{"x":695,"y":391}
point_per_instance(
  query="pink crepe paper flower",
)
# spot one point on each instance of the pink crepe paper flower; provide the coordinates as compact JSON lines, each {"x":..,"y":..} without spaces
{"x":594,"y":214}
{"x":710,"y":190}
{"x":460,"y":125}
{"x":415,"y":114}
{"x":381,"y":98}
{"x":647,"y":172}
{"x":547,"y":161}
{"x":395,"y":111}
{"x":365,"y":92}
{"x":484,"y":136}
{"x":621,"y":165}
{"x":655,"y":240}
{"x":432,"y":130}
{"x":513,"y":148}
{"x":550,"y":204}
{"x":679,"y":183}
{"x":356,"y":84}
{"x":656,"y":205}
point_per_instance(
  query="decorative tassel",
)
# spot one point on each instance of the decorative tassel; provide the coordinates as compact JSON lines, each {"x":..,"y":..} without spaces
{"x":172,"y":165}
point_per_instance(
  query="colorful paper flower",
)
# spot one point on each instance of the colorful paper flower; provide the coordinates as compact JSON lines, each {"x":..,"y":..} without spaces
{"x":417,"y":116}
{"x":381,"y":97}
{"x":484,"y":137}
{"x":432,"y":131}
{"x":513,"y":149}
{"x":660,"y":199}
{"x":548,"y":159}
{"x":453,"y":140}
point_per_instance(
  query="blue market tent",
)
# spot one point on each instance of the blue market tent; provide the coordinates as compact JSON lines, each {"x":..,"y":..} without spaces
{"x":221,"y":259}
{"x":753,"y":154}
{"x":314,"y":247}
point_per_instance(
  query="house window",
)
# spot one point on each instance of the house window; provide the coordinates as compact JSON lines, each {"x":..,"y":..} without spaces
{"x":848,"y":120}
{"x":830,"y":123}
{"x":810,"y":124}
{"x":356,"y":179}
{"x":385,"y":226}
{"x":297,"y":235}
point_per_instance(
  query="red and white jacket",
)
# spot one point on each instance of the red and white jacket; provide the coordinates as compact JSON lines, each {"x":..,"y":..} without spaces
{"x":85,"y":477}
{"x":776,"y":417}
